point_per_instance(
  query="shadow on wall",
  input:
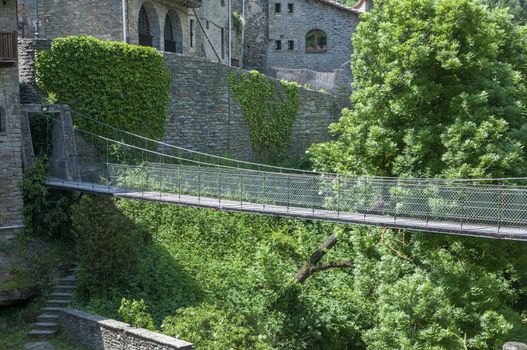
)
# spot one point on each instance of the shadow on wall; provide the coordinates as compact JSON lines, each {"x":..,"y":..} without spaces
{"x":331,"y":82}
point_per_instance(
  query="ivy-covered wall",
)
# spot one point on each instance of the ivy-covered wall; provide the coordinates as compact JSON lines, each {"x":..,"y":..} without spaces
{"x":269,"y":109}
{"x":204,"y":113}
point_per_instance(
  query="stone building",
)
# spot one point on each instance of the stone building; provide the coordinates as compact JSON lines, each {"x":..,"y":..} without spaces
{"x":308,"y":41}
{"x":10,"y":126}
{"x":192,"y":27}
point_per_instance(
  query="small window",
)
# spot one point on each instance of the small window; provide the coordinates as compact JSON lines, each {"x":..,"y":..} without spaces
{"x":191,"y":33}
{"x":277,"y":7}
{"x":3,"y":121}
{"x":290,"y":45}
{"x":207,"y":24}
{"x":316,"y":41}
{"x":222,"y":2}
{"x":290,"y":8}
{"x":278,"y":44}
{"x":222,"y":38}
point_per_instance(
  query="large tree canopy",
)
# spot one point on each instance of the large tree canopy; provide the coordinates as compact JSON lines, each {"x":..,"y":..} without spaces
{"x":440,"y":90}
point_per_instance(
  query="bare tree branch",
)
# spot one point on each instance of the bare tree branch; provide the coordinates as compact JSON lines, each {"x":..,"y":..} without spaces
{"x":311,"y":266}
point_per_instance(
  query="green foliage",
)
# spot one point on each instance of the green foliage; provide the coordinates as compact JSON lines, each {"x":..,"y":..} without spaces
{"x":136,"y":313}
{"x":517,"y":8}
{"x":268,"y":111}
{"x":213,"y":328}
{"x":224,"y":280}
{"x":440,"y":90}
{"x":46,"y":212}
{"x":41,"y":134}
{"x":123,"y":85}
{"x":107,"y":244}
{"x":237,"y":22}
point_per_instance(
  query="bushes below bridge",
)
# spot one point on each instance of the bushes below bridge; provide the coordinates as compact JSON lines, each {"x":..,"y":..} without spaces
{"x":225,"y":280}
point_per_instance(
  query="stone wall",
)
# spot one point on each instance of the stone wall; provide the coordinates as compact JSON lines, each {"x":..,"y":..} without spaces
{"x":336,"y":82}
{"x":99,"y":333}
{"x":99,"y":18}
{"x":338,"y":24}
{"x":103,"y":19}
{"x":256,"y":34}
{"x":27,"y":48}
{"x":204,"y":116}
{"x":10,"y":135}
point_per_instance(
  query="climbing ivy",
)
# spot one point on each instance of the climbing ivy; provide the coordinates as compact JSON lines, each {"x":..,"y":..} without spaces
{"x":269,"y":110}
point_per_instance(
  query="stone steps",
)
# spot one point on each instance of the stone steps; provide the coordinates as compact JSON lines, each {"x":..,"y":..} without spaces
{"x":62,"y":296}
{"x":47,"y":324}
{"x":43,"y":334}
{"x":48,"y":317}
{"x":64,"y":289}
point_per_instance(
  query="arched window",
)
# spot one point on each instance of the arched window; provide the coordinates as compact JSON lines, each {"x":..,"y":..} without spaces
{"x":145,"y":39}
{"x":3,"y":121}
{"x":316,"y":41}
{"x":170,"y":44}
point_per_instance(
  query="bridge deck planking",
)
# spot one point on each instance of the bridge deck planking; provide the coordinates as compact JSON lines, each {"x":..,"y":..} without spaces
{"x":445,"y":227}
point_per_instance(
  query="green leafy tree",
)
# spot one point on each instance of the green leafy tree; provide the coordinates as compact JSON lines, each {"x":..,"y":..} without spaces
{"x":440,"y":90}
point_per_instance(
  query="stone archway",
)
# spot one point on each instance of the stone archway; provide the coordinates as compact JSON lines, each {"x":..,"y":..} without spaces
{"x":177,"y":31}
{"x":153,"y":24}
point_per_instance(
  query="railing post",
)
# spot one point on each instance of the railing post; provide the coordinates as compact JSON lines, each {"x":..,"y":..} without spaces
{"x":179,"y":181}
{"x":462,"y":205}
{"x":500,"y":207}
{"x":241,"y":188}
{"x":316,"y":194}
{"x":264,"y":187}
{"x":338,"y":195}
{"x":107,"y":162}
{"x":199,"y":183}
{"x":288,"y":191}
{"x":219,"y":187}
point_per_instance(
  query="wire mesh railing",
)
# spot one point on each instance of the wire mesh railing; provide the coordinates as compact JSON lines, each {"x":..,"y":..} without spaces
{"x":137,"y":167}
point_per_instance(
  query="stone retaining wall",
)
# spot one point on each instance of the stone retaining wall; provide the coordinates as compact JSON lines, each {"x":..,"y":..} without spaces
{"x":203,"y":114}
{"x":10,"y":135}
{"x":99,"y":333}
{"x":27,"y":48}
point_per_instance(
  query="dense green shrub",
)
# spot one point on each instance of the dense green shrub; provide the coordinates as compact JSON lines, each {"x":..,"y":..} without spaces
{"x":108,"y":244}
{"x":270,"y":110}
{"x":46,"y":211}
{"x":213,"y":328}
{"x":123,"y":85}
{"x":135,"y":312}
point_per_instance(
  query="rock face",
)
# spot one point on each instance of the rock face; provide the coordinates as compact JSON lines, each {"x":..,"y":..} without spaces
{"x":512,"y":345}
{"x":11,"y":292}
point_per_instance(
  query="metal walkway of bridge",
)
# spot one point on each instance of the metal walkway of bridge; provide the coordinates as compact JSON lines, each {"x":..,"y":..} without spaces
{"x":121,"y":164}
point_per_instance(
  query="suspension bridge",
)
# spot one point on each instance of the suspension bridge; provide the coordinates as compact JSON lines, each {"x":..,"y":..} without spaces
{"x":109,"y":161}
